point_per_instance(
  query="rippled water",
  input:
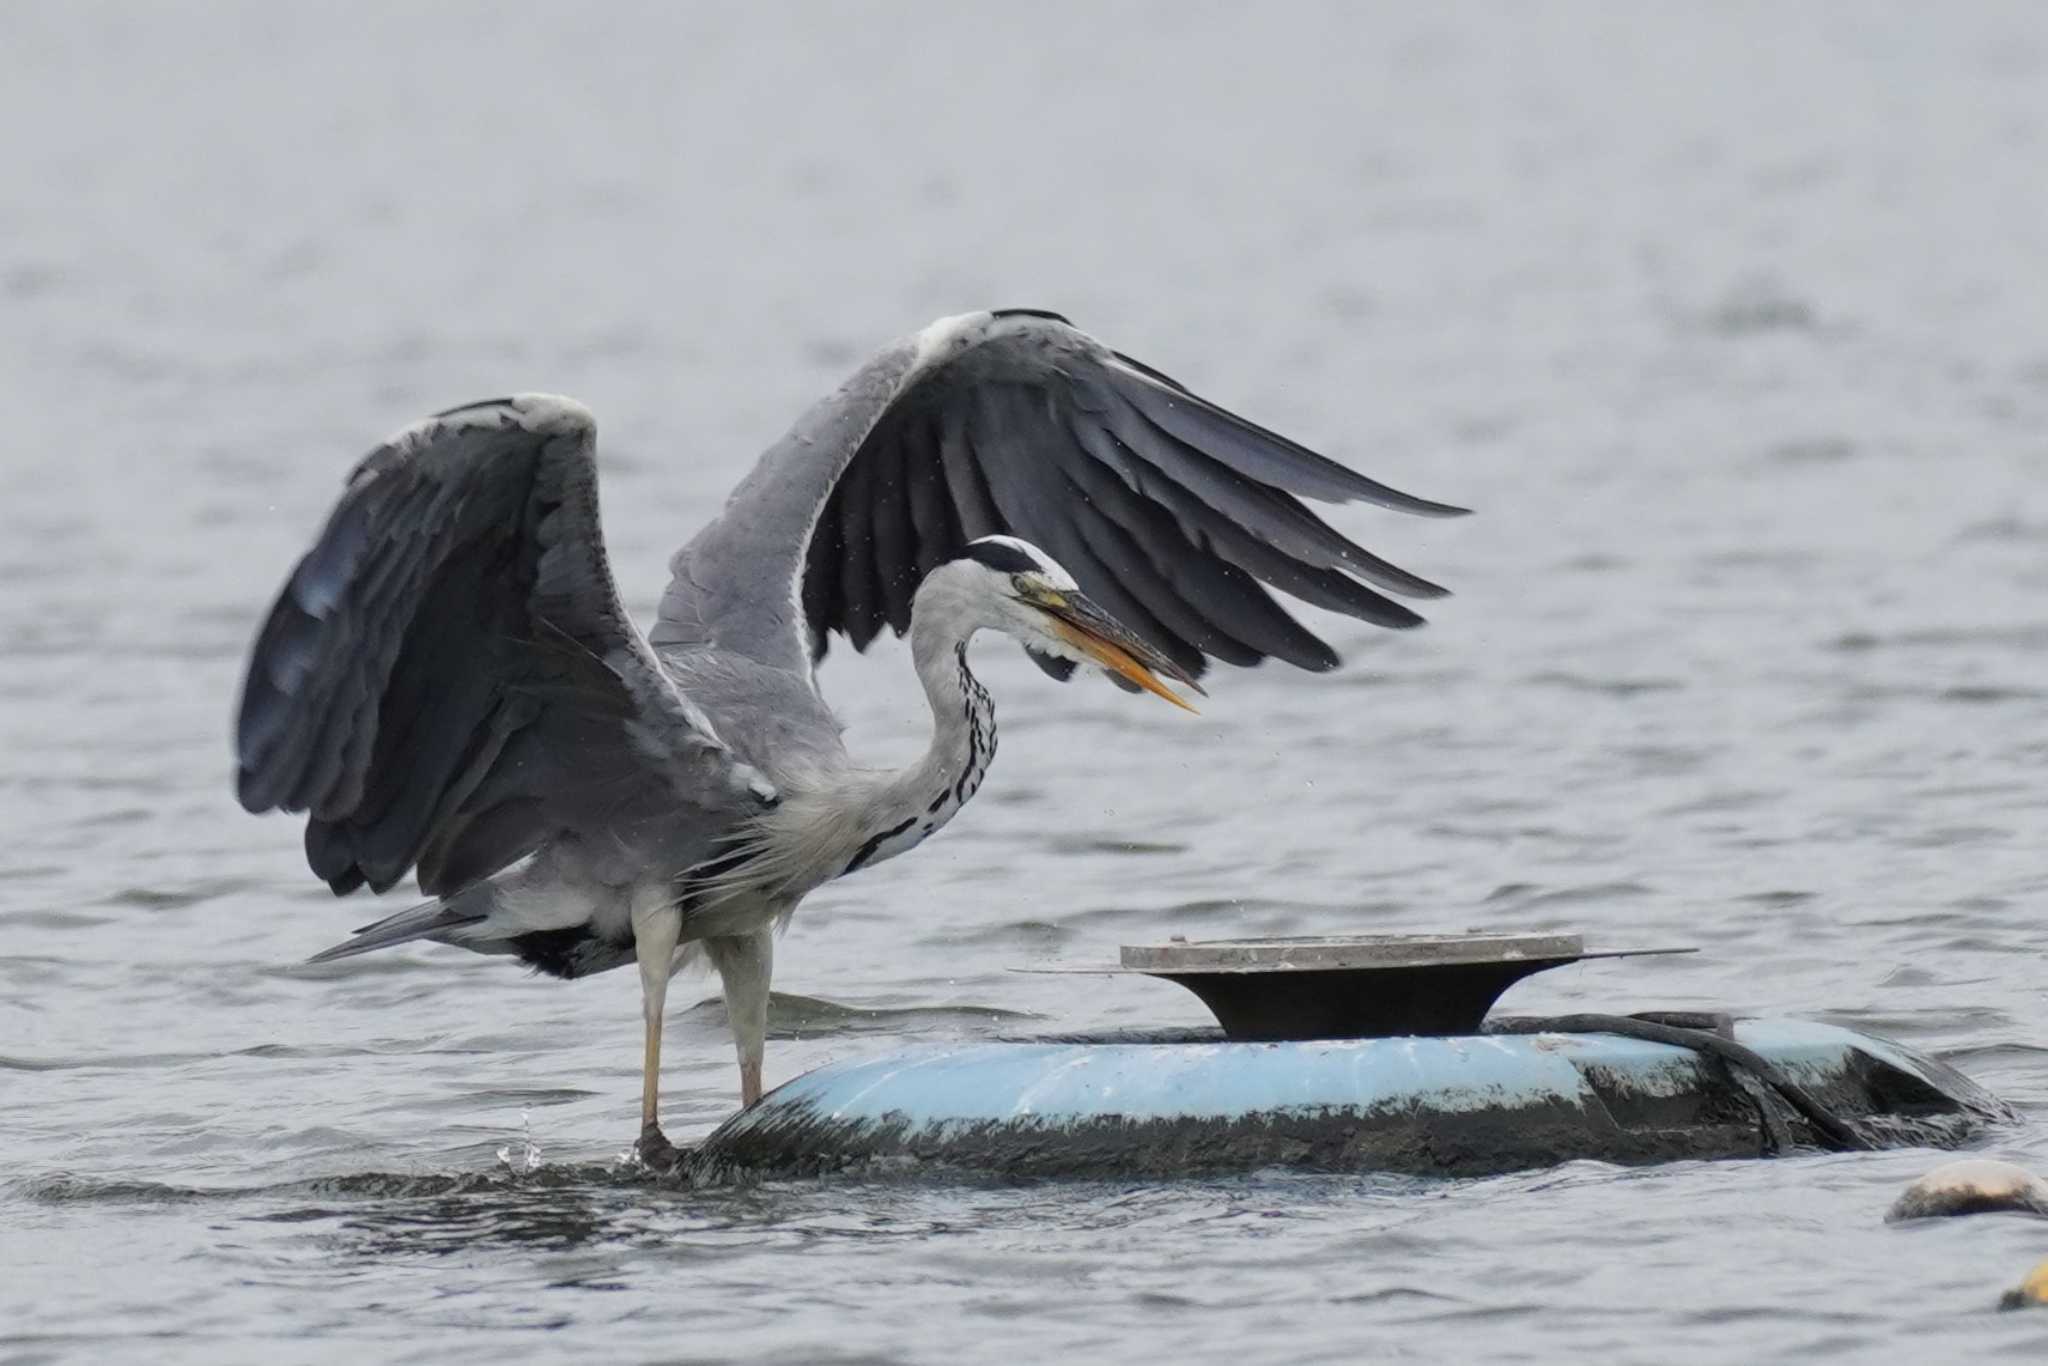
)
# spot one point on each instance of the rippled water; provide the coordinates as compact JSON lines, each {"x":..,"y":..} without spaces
{"x":1728,"y":319}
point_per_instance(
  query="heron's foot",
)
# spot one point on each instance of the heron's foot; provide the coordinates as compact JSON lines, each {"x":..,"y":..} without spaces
{"x":655,"y":1152}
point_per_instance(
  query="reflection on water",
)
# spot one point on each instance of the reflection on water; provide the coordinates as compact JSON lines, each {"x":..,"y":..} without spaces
{"x":556,"y":1219}
{"x":791,"y":1016}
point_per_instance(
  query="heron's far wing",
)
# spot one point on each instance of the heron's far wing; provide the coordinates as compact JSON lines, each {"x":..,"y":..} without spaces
{"x":448,"y":679}
{"x":1172,"y":512}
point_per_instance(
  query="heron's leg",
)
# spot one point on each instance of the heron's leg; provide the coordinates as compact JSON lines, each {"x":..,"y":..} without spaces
{"x":656,"y":928}
{"x":744,"y":963}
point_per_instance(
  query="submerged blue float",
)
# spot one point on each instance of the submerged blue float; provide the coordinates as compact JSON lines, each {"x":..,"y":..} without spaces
{"x":1459,"y":1105}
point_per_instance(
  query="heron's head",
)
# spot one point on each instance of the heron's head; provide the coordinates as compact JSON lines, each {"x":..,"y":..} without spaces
{"x":1012,"y":586}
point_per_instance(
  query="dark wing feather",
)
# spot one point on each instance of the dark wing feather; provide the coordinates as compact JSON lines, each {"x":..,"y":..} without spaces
{"x":448,"y":679}
{"x":1175,"y":514}
{"x":931,"y":502}
{"x":860,"y":581}
{"x":890,"y":510}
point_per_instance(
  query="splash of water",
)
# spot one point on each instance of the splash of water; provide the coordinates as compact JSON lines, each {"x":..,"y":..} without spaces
{"x":528,"y":1160}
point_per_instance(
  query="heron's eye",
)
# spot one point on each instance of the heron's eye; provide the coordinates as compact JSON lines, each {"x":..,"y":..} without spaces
{"x":1022,"y":583}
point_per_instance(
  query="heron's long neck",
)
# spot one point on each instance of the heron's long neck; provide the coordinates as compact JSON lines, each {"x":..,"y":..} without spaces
{"x":911,"y":804}
{"x":858,"y":817}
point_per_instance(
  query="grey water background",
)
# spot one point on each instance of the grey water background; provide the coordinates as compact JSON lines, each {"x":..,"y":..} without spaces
{"x":1731,"y":321}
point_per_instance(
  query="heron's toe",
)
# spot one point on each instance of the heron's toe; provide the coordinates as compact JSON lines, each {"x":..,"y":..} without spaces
{"x":654,"y":1150}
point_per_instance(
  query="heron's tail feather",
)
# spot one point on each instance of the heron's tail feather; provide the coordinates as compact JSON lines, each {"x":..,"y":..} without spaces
{"x":419,"y":922}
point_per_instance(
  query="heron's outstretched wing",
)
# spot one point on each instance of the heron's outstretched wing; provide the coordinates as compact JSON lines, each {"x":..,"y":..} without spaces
{"x":448,"y":678}
{"x":1172,"y":512}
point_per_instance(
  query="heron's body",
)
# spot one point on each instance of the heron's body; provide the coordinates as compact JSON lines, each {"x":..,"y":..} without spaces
{"x":449,"y":684}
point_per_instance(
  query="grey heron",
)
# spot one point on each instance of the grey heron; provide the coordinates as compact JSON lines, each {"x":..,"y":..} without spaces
{"x":448,"y":684}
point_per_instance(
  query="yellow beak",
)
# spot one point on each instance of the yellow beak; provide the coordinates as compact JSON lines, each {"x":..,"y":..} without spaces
{"x":1099,"y":636}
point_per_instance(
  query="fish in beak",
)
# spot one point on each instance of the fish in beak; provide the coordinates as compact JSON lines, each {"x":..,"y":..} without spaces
{"x":1102,"y":638}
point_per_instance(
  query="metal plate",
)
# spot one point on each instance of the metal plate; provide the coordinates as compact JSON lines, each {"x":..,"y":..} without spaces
{"x":1333,"y":952}
{"x":1362,"y":986}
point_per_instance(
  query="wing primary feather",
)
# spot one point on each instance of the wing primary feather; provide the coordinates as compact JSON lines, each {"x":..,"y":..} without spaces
{"x":931,"y":505}
{"x":1038,"y":512}
{"x":1265,"y":455}
{"x":1149,"y":372}
{"x":892,"y":542}
{"x":863,"y":617}
{"x":1216,"y":533}
{"x":348,"y":708}
{"x":1120,"y":554}
{"x":1227,"y":599}
{"x":1276,"y":518}
{"x":973,"y":499}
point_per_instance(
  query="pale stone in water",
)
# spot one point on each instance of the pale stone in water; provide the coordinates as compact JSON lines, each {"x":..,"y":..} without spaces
{"x":1973,"y":1185}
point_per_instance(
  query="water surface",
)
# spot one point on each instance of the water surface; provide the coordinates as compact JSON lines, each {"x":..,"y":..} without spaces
{"x":1728,"y":319}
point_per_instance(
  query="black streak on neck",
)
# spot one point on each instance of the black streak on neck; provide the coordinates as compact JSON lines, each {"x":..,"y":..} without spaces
{"x":981,"y":747}
{"x":867,"y":851}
